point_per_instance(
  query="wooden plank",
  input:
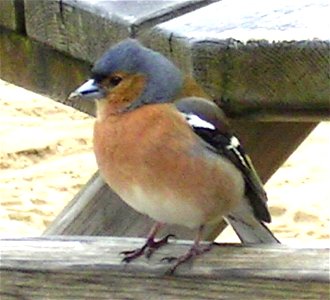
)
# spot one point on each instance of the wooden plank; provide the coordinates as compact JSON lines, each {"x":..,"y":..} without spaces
{"x":257,"y":79}
{"x":12,"y":15}
{"x":81,"y":268}
{"x":85,"y":28}
{"x":34,"y":66}
{"x":264,"y":61}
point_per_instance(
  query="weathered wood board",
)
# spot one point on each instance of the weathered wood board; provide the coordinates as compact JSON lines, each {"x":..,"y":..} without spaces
{"x":266,"y":62}
{"x":42,"y":69}
{"x":85,"y":28}
{"x":262,"y":61}
{"x":81,"y":268}
{"x":12,"y":15}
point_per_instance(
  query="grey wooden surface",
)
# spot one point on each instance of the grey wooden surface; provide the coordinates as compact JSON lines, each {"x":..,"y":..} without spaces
{"x":12,"y":15}
{"x":260,"y":60}
{"x":84,"y":29}
{"x":35,"y":66}
{"x":85,"y":268}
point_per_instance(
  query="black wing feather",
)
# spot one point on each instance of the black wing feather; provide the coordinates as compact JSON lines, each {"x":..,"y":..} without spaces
{"x":224,"y":143}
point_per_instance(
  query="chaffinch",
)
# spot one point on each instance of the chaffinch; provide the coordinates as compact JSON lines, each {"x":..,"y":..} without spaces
{"x":168,"y":151}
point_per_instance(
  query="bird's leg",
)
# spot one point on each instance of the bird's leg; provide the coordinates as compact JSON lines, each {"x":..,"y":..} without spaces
{"x":195,"y":250}
{"x":150,"y":245}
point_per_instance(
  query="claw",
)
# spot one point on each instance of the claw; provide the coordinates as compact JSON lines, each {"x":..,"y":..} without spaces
{"x":157,"y":244}
{"x":194,"y":251}
{"x":147,"y":249}
{"x":169,"y":259}
{"x":133,"y":254}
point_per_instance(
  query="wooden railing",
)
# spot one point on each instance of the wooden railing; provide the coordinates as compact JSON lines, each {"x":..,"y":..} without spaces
{"x":266,"y":63}
{"x":91,"y":268}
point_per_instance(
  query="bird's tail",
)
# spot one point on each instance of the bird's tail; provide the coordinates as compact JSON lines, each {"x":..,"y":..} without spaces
{"x":248,"y":228}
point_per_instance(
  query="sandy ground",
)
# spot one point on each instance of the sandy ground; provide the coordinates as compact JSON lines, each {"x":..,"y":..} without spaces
{"x":46,"y":157}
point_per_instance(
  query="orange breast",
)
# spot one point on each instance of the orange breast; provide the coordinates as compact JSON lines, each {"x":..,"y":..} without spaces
{"x":157,"y":164}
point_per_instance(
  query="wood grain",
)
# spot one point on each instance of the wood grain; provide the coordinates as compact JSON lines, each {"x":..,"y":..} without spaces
{"x":237,"y":61}
{"x":80,"y":268}
{"x":263,"y":62}
{"x":12,"y":15}
{"x":85,"y":29}
{"x":42,"y":69}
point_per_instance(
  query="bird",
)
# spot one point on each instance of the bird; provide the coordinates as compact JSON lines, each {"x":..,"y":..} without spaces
{"x":168,"y":150}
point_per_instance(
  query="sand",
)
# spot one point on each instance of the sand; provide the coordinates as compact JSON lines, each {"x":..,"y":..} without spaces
{"x":46,"y":157}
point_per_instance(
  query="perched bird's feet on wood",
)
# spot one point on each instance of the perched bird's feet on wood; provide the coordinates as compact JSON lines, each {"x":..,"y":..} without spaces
{"x":147,"y":249}
{"x":157,"y":244}
{"x":195,"y":250}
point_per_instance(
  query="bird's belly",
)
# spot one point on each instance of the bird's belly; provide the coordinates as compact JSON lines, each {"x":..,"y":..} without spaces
{"x":163,"y":207}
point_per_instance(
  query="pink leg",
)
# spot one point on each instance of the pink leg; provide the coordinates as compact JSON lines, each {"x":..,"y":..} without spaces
{"x":150,"y":245}
{"x":195,"y":250}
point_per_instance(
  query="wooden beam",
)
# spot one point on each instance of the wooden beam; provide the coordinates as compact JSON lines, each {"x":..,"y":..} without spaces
{"x":12,"y":15}
{"x":270,"y":144}
{"x":84,"y":29}
{"x":46,"y":71}
{"x":84,"y":267}
{"x":261,"y":62}
{"x":39,"y":68}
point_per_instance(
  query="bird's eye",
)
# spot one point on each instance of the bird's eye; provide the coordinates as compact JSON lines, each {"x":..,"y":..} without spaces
{"x":115,"y":80}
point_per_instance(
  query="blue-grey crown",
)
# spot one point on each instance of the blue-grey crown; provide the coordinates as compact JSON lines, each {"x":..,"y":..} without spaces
{"x":164,"y":79}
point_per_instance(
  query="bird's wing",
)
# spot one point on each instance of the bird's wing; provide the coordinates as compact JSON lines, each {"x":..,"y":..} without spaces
{"x":209,"y":123}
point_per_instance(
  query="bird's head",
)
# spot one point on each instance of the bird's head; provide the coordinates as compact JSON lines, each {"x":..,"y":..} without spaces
{"x":128,"y":76}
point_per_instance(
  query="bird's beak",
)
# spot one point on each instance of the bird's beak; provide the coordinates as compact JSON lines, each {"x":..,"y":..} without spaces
{"x":89,"y":90}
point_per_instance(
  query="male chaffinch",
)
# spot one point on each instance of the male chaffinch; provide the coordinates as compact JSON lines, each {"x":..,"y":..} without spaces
{"x":168,"y":151}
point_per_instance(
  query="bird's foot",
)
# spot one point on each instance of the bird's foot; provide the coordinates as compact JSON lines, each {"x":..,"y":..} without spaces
{"x":193,"y":252}
{"x":147,"y":249}
{"x":157,"y":244}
